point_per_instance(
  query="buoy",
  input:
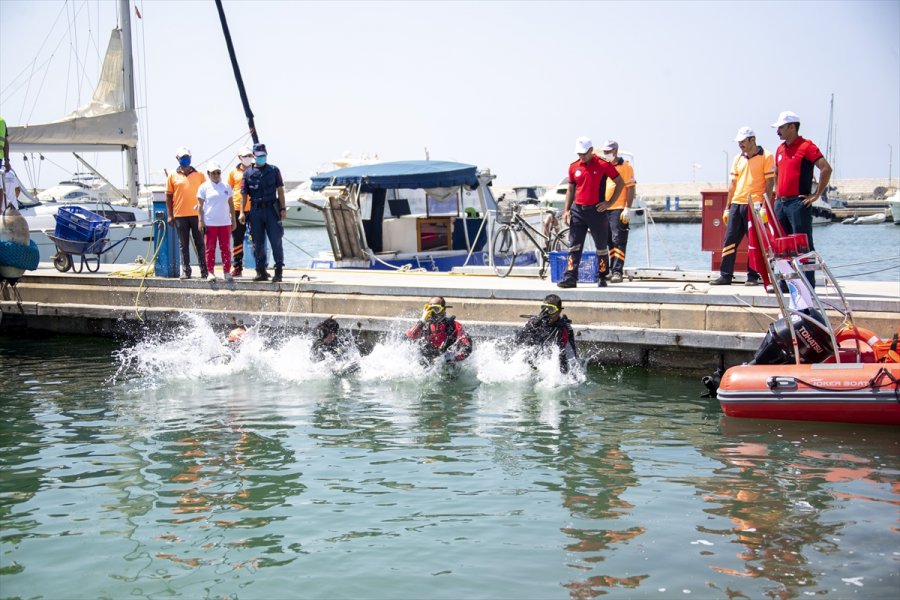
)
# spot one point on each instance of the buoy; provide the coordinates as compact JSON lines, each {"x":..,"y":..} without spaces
{"x":857,"y":333}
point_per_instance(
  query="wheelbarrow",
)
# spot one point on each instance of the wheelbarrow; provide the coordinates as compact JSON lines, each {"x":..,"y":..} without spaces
{"x":89,"y":252}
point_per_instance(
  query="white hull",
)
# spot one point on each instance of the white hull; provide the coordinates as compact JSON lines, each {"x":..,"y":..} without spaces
{"x":869,"y":220}
{"x":894,"y":205}
{"x":301,"y":215}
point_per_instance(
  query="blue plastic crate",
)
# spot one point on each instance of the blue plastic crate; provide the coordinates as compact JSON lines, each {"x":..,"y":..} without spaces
{"x":80,"y":225}
{"x":587,"y":268}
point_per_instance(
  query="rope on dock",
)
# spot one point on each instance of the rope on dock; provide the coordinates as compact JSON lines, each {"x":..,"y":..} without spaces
{"x":145,"y":268}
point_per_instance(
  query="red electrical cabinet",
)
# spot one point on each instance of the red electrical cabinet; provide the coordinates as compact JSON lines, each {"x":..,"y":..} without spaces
{"x":713,"y":232}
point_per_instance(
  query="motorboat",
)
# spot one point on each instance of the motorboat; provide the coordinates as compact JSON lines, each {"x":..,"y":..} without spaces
{"x":304,"y":207}
{"x":107,"y":123}
{"x":421,"y":214}
{"x":894,"y":205}
{"x":807,"y":369}
{"x":874,"y":219}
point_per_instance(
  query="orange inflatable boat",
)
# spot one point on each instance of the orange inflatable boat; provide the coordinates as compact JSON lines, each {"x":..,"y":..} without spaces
{"x":852,"y":392}
{"x":806,"y":369}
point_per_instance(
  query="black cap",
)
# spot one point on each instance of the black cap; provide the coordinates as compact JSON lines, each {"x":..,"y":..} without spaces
{"x":259,"y":149}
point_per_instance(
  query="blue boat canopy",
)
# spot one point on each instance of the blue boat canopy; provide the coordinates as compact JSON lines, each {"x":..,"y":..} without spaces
{"x":407,"y":174}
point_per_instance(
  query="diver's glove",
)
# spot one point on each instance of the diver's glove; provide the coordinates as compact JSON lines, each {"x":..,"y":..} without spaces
{"x":426,"y":316}
{"x":725,"y":216}
{"x":624,"y":217}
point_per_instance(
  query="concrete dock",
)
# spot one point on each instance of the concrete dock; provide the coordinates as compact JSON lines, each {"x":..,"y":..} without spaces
{"x":672,"y":319}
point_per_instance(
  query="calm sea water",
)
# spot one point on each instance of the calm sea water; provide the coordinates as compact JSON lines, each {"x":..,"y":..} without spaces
{"x":155,"y":468}
{"x":852,"y":252}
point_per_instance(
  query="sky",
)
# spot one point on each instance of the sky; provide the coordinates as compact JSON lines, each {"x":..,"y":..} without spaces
{"x":502,"y":85}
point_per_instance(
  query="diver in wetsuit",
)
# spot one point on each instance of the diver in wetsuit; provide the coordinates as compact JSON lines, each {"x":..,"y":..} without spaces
{"x":550,"y":328}
{"x":440,"y":337}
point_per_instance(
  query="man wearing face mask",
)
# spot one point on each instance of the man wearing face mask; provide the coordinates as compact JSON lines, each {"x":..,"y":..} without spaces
{"x":234,"y":181}
{"x":264,"y":187}
{"x":618,"y":213}
{"x":181,"y":206}
{"x":441,"y":337}
{"x":752,"y":178}
{"x":585,"y":204}
{"x":550,"y":328}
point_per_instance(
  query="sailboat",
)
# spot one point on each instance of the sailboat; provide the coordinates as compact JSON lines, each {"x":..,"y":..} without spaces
{"x":823,"y":207}
{"x":108,"y":123}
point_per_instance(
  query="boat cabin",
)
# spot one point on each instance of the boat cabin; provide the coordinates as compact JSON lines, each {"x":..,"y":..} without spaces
{"x":409,"y":214}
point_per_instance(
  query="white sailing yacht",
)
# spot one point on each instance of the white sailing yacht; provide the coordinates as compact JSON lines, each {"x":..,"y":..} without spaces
{"x":107,"y":123}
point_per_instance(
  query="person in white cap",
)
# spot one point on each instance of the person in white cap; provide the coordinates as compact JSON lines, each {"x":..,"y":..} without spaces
{"x":794,"y":162}
{"x":585,"y":205}
{"x":181,"y":206}
{"x":752,"y":179}
{"x":217,"y":219}
{"x":618,"y":213}
{"x":235,"y":177}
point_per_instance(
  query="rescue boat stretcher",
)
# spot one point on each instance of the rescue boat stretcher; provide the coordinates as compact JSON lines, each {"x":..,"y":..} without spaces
{"x":806,"y":369}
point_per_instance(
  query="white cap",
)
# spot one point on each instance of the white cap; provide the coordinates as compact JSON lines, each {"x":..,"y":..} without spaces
{"x":744,"y":133}
{"x":786,"y":117}
{"x":183,"y":151}
{"x":245,"y":151}
{"x":583,"y":144}
{"x":610,"y":146}
{"x":213,"y":166}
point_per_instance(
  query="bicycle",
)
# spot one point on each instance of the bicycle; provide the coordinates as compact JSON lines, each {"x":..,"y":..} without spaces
{"x":505,"y":251}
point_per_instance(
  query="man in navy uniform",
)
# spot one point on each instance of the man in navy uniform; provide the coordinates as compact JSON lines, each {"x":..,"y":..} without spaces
{"x":264,"y":186}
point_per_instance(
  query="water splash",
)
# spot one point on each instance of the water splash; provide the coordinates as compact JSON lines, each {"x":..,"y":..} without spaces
{"x":195,"y":350}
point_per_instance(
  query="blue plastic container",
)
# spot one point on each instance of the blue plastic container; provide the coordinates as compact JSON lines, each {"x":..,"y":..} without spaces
{"x":587,"y":268}
{"x":164,"y":237}
{"x":79,"y":225}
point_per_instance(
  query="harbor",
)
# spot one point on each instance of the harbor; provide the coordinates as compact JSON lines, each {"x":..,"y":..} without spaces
{"x":414,"y":394}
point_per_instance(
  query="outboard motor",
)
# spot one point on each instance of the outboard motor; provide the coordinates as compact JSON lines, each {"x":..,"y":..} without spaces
{"x":814,"y":343}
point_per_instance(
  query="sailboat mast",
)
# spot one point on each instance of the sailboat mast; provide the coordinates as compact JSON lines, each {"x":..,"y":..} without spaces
{"x":829,"y":156}
{"x":237,"y":73}
{"x":131,"y":159}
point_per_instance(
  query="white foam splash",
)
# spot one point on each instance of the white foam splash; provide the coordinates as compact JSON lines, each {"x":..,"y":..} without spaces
{"x":196,"y":351}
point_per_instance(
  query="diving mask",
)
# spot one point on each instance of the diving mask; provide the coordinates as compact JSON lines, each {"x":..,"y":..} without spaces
{"x":548,"y":310}
{"x":431,"y":311}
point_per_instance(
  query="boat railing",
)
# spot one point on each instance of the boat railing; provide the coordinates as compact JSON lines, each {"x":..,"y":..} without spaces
{"x":788,"y":264}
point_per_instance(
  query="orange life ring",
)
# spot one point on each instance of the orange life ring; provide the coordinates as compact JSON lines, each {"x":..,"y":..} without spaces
{"x":857,"y":333}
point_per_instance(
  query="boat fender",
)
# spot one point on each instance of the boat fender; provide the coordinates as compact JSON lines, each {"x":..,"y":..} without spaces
{"x":863,"y":335}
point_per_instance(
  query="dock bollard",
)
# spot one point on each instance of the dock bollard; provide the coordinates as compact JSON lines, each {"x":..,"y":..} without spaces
{"x":668,"y":203}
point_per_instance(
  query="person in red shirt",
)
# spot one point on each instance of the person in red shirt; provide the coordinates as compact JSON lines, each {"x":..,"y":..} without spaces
{"x":440,"y":337}
{"x":585,"y":204}
{"x":794,"y":162}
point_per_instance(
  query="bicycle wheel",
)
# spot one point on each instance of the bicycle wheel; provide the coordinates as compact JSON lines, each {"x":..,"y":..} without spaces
{"x":504,"y":250}
{"x":562,"y":238}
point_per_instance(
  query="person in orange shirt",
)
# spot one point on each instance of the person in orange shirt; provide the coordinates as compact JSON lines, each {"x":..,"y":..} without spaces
{"x":235,"y":176}
{"x":752,"y":177}
{"x":181,"y":206}
{"x":618,"y":213}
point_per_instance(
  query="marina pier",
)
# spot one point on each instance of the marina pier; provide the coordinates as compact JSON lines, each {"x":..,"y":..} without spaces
{"x":667,"y":320}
